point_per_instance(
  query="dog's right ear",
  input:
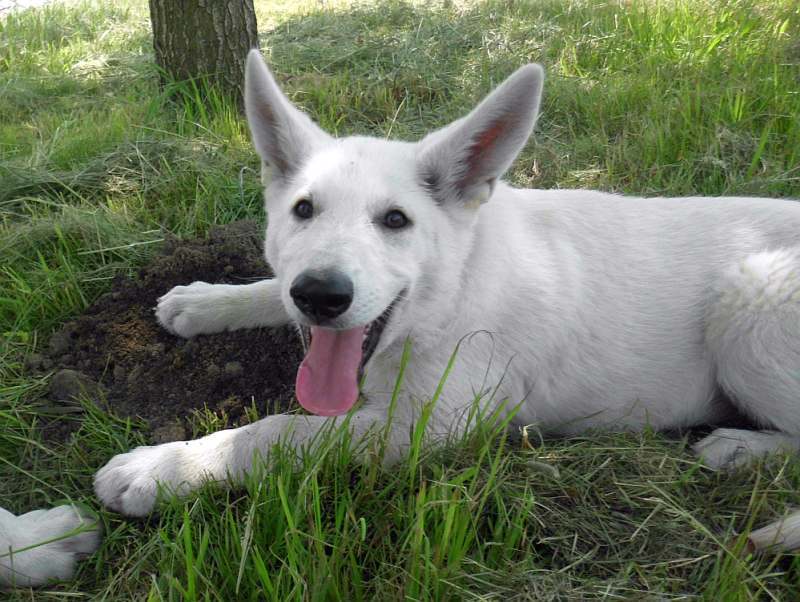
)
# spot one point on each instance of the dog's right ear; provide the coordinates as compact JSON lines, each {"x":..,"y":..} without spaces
{"x":284,"y":137}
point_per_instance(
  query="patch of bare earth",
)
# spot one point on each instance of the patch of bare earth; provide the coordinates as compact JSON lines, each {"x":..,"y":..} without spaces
{"x":118,"y":354}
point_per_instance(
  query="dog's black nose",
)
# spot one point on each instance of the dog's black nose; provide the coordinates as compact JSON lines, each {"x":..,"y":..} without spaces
{"x":322,"y":296}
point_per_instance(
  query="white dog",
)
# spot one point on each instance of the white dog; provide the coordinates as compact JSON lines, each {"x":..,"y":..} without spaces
{"x":577,"y":308}
{"x":42,"y":546}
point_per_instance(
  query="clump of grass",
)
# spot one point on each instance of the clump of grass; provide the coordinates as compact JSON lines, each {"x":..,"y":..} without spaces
{"x":604,"y":515}
{"x":96,"y":161}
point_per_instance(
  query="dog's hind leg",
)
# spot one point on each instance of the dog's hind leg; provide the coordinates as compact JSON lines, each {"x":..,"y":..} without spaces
{"x":202,"y":308}
{"x":753,"y":333}
{"x":731,"y":448}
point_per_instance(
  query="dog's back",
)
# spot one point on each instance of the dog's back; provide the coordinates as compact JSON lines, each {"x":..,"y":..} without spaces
{"x":614,"y":296}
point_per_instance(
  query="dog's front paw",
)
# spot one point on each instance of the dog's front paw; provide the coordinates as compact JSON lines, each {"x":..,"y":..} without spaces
{"x":130,"y":483}
{"x":46,"y":545}
{"x":191,"y":310}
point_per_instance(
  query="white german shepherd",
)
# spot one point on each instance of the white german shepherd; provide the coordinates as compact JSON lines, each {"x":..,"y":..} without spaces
{"x":585,"y":309}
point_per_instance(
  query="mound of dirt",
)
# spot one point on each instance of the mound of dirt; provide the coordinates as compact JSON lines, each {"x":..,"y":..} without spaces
{"x":117,"y":352}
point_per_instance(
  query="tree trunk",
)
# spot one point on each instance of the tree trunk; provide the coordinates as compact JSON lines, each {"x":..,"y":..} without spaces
{"x":205,"y":39}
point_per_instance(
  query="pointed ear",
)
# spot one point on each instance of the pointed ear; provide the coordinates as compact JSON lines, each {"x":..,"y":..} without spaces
{"x":463,"y":161}
{"x":284,"y":137}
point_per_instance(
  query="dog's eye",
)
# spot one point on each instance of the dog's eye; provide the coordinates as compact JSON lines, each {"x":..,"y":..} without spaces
{"x":395,"y":219}
{"x":303,"y":209}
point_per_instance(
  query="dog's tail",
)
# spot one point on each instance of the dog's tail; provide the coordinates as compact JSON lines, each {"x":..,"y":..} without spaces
{"x":780,"y":536}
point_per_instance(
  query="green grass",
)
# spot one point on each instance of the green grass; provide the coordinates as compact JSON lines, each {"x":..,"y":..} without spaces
{"x":96,"y":163}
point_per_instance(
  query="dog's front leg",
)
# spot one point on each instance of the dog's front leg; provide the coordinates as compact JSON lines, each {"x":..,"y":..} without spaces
{"x":44,"y":545}
{"x":129,"y":483}
{"x":202,"y":308}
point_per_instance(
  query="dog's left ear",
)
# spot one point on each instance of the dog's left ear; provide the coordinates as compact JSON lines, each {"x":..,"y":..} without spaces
{"x":462,"y":161}
{"x":283,"y":135}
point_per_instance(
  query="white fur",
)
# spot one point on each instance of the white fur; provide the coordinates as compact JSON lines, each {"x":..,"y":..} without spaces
{"x":43,"y":546}
{"x":581,"y":309}
{"x":782,"y":535}
{"x":731,"y":448}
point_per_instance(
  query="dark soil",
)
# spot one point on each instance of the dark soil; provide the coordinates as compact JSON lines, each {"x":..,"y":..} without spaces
{"x":117,"y":353}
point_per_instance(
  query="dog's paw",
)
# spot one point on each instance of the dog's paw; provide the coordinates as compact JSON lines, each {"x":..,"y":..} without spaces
{"x":46,"y":545}
{"x":732,"y":448}
{"x":193,"y":309}
{"x":130,"y":483}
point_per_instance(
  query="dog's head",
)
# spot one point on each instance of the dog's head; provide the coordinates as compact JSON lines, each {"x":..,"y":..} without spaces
{"x":363,"y":233}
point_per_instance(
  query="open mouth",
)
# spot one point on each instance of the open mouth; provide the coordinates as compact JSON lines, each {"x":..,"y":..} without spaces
{"x":328,"y":377}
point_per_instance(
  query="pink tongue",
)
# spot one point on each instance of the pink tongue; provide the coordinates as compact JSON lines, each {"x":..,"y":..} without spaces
{"x":327,"y":381}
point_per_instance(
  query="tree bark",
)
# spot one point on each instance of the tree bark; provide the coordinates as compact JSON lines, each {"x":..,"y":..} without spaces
{"x":204,"y":39}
